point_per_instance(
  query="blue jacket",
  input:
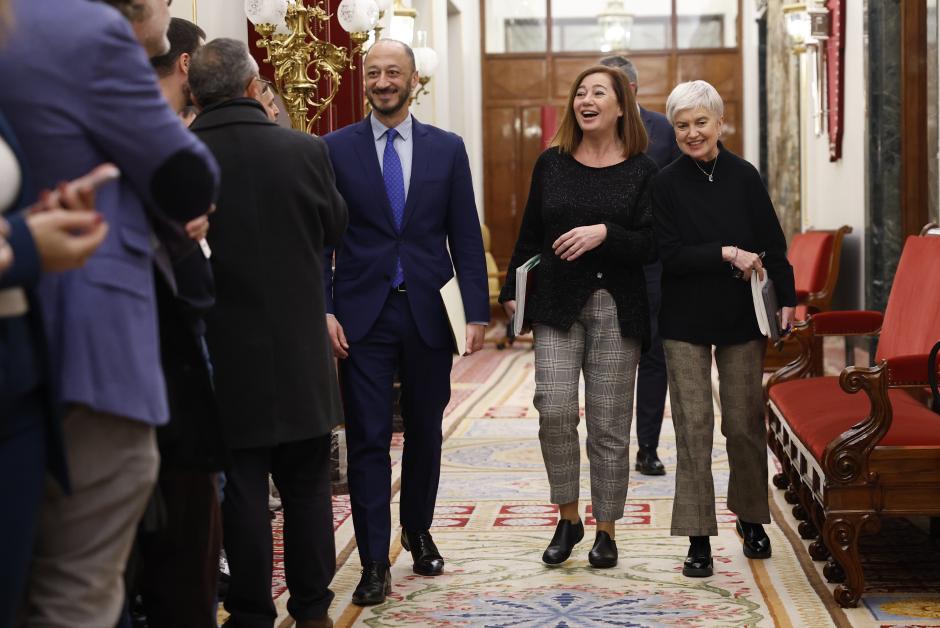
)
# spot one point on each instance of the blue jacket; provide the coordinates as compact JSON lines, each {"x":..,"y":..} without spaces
{"x":662,"y":147}
{"x":24,"y":374}
{"x":81,"y":91}
{"x":439,"y":210}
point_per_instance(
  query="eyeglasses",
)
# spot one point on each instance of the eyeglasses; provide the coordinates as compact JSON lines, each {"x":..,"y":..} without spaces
{"x":266,"y":85}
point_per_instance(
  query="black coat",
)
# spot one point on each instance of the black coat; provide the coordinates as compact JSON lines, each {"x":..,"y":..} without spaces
{"x":274,"y":371}
{"x":662,"y":147}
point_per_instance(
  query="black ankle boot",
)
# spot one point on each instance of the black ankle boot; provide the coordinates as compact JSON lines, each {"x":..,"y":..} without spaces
{"x":648,"y":463}
{"x":698,"y":563}
{"x":604,"y":553}
{"x":756,"y":541}
{"x":567,"y":535}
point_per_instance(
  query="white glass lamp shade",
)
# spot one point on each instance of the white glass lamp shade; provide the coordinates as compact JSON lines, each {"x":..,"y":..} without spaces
{"x":402,"y":29}
{"x":798,"y":23}
{"x":384,"y":5}
{"x":358,"y":16}
{"x":265,"y":11}
{"x":426,"y":61}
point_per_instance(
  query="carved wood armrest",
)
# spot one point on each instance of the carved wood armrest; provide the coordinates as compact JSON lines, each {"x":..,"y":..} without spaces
{"x":909,"y":371}
{"x":801,"y":367}
{"x":846,"y":458}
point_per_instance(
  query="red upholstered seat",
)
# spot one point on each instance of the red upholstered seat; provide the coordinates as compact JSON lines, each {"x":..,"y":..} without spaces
{"x":809,"y":255}
{"x":818,"y":411}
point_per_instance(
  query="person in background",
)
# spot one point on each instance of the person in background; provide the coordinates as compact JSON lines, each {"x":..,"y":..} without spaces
{"x":100,"y":320}
{"x":651,"y":375}
{"x":589,"y":216}
{"x":410,"y":195}
{"x":715,"y":225}
{"x":274,"y":371}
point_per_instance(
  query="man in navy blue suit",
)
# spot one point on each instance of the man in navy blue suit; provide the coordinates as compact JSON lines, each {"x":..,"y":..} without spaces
{"x":651,"y":375}
{"x":409,"y":193}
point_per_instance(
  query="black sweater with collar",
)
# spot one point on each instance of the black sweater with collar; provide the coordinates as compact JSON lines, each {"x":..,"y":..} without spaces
{"x":565,"y":194}
{"x":702,"y":302}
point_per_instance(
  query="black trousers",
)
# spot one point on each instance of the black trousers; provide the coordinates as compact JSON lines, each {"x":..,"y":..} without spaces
{"x":301,"y":472}
{"x":179,"y":564}
{"x":651,"y":376}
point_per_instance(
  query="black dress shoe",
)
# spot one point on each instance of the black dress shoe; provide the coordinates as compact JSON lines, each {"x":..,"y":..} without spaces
{"x":604,"y":553}
{"x":648,"y":463}
{"x":698,"y":564}
{"x":428,"y":561}
{"x":567,"y":535}
{"x":756,"y":541}
{"x":375,"y":584}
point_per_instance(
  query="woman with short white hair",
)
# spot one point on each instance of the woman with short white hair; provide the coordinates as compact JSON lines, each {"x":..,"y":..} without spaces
{"x":715,"y":225}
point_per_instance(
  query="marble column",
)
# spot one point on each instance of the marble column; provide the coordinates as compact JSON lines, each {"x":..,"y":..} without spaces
{"x":884,"y":235}
{"x":783,"y":116}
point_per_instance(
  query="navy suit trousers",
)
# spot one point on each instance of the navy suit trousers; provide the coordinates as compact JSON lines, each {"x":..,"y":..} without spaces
{"x":651,"y":376}
{"x":367,"y":376}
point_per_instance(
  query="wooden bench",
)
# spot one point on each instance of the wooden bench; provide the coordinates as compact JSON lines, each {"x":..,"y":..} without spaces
{"x":850,"y":459}
{"x":815,"y":256}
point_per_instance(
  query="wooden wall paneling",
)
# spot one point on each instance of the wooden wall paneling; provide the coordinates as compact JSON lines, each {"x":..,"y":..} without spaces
{"x":721,"y":69}
{"x":732,"y":136}
{"x":501,"y":159}
{"x":515,"y":79}
{"x":914,"y":201}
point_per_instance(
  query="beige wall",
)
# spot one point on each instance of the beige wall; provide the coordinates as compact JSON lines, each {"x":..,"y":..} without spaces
{"x":834,"y":194}
{"x":219,"y":18}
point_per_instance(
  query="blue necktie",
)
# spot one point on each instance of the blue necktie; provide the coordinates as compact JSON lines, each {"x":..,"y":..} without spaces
{"x":395,"y":188}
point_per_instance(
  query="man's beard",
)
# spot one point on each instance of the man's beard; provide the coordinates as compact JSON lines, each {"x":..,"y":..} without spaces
{"x":395,"y":107}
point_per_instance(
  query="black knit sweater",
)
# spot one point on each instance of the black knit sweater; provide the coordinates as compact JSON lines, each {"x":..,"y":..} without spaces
{"x":702,"y":302}
{"x":566,"y":194}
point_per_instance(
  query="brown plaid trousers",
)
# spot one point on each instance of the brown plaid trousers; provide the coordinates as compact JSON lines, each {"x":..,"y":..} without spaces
{"x":740,"y":373}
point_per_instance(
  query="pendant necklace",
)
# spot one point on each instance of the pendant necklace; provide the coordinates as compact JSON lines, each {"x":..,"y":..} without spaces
{"x":710,"y":175}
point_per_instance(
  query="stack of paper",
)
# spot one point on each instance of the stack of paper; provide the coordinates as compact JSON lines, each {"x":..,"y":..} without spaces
{"x":525,"y":282}
{"x":765,"y":306}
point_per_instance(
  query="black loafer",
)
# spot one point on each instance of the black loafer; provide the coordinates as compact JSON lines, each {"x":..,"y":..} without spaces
{"x":375,"y":584}
{"x":567,"y":535}
{"x":604,"y":553}
{"x":648,"y":463}
{"x":698,"y":564}
{"x":756,"y":541}
{"x":427,"y":560}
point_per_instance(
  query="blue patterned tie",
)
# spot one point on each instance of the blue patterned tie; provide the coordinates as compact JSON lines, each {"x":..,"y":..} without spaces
{"x":395,"y":188}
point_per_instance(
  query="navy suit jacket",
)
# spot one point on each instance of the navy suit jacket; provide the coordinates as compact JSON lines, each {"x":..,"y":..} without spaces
{"x":662,"y":147}
{"x":439,"y":211}
{"x":84,"y":94}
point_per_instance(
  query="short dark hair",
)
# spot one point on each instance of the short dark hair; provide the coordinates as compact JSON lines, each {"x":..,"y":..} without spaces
{"x":624,"y":65}
{"x":220,"y":71}
{"x":185,"y":37}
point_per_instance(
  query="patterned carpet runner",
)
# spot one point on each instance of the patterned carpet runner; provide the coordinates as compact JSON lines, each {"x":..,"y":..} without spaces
{"x":493,"y":521}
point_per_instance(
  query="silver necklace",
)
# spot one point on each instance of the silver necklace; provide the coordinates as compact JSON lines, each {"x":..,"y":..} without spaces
{"x":710,"y":175}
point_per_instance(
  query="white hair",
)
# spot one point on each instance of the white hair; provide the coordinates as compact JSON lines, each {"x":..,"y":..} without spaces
{"x":694,"y":95}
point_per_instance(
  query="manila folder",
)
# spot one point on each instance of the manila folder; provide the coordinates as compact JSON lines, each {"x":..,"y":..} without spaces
{"x":456,"y":315}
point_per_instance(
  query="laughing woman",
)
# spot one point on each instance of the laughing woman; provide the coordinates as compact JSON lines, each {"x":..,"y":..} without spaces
{"x":589,"y":216}
{"x":714,"y":221}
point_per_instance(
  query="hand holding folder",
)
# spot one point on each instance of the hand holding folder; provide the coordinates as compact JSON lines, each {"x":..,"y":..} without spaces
{"x":525,"y":287}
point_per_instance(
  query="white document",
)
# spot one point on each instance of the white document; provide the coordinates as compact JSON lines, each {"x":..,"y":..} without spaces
{"x":522,"y":279}
{"x":456,"y":315}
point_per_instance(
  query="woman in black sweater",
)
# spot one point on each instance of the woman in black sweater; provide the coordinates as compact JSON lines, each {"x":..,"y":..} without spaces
{"x":715,"y":225}
{"x":589,"y":216}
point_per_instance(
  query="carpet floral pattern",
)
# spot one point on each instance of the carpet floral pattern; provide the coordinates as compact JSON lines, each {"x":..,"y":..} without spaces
{"x":493,"y":520}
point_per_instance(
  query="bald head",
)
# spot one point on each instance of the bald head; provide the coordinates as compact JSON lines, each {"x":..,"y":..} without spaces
{"x":392,"y":46}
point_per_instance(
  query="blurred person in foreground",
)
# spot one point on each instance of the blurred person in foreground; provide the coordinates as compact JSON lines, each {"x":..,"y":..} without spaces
{"x":589,"y":216}
{"x":274,"y":371}
{"x":715,"y":225}
{"x":651,"y":382}
{"x":100,"y":320}
{"x":413,"y":225}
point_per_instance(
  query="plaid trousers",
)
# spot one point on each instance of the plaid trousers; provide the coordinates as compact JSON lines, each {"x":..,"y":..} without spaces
{"x":740,"y":373}
{"x":593,"y":345}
